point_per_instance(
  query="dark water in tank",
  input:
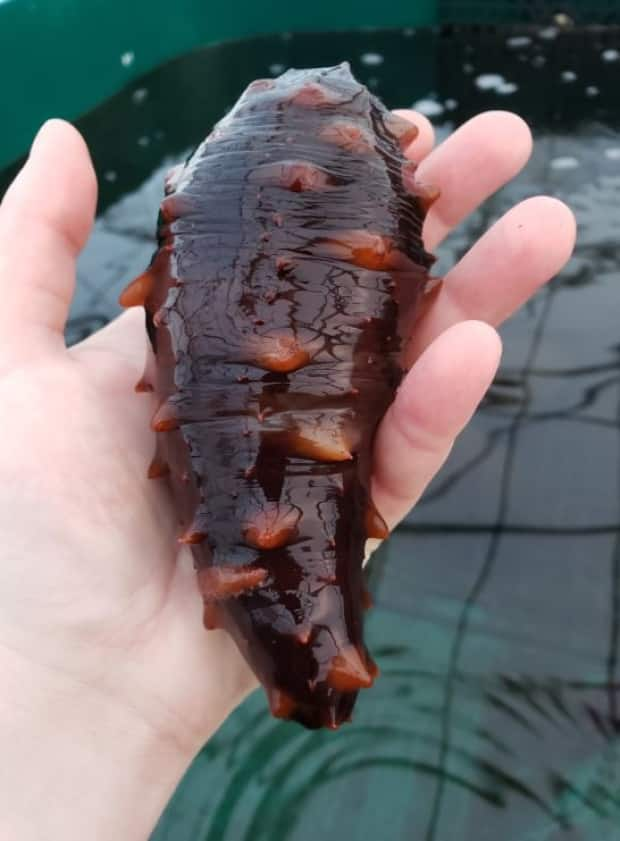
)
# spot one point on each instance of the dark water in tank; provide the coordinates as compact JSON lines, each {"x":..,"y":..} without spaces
{"x":497,"y":618}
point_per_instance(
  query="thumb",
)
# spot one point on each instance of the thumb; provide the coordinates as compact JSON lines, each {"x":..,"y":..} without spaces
{"x":45,"y":219}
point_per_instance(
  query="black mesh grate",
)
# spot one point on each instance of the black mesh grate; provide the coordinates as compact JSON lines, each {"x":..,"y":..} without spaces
{"x":529,"y":11}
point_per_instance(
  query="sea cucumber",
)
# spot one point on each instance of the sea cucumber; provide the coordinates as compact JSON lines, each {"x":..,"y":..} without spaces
{"x":289,"y":261}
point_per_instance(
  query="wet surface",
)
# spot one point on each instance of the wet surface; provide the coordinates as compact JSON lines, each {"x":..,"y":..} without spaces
{"x":274,"y":322}
{"x":497,"y":617}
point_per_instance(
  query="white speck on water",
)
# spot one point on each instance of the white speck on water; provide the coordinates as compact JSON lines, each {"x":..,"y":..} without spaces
{"x":519,"y":41}
{"x":548,"y":33}
{"x":507,"y":88}
{"x":613,"y":154}
{"x":276,"y":69}
{"x":286,"y":36}
{"x":610,"y":55}
{"x":371,"y":59}
{"x":110,"y":176}
{"x":144,"y":141}
{"x":468,"y":68}
{"x":539,"y":61}
{"x":489,"y":81}
{"x":139,"y":95}
{"x":128,"y":58}
{"x":450,"y":104}
{"x":592,"y":90}
{"x":408,"y":32}
{"x":428,"y":107}
{"x":566,"y":162}
{"x":372,"y":82}
{"x":159,"y":134}
{"x":568,"y":76}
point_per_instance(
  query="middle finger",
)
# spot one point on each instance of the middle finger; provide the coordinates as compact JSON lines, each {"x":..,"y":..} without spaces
{"x":472,"y":164}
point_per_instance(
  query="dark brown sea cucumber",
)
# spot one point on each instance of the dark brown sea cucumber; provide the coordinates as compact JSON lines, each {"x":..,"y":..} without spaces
{"x":289,"y":257}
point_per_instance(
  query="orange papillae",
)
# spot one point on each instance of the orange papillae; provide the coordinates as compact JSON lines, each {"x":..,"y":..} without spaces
{"x":426,"y":194}
{"x":349,"y":136}
{"x":158,"y":468}
{"x":137,"y":292}
{"x":315,"y":95}
{"x":223,"y":581}
{"x":192,"y":537}
{"x":212,"y":616}
{"x":165,"y":418}
{"x":281,"y":353}
{"x":348,"y":672}
{"x":284,"y":265}
{"x":297,"y":176}
{"x":362,"y":248}
{"x":402,"y":129}
{"x":375,"y":524}
{"x":372,"y":668}
{"x":143,"y":386}
{"x":367,"y":602}
{"x":261,"y":85}
{"x":320,"y":443}
{"x":281,"y":704}
{"x":303,"y":634}
{"x":272,"y":526}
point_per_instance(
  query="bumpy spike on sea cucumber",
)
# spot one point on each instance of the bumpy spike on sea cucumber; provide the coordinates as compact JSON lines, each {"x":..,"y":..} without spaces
{"x":316,"y":95}
{"x":320,"y":443}
{"x":281,"y":704}
{"x":192,"y":537}
{"x":139,"y":290}
{"x":403,"y":129}
{"x":220,"y":582}
{"x":297,"y":176}
{"x":165,"y":418}
{"x":361,"y":248}
{"x":348,"y":135}
{"x":427,"y":194}
{"x":303,"y":635}
{"x":259,"y":85}
{"x":272,"y":526}
{"x":172,"y":178}
{"x":136,"y":293}
{"x":367,"y":601}
{"x":284,"y":265}
{"x":158,"y":468}
{"x":143,"y":387}
{"x":348,"y":672}
{"x":373,"y":669}
{"x":282,"y":352}
{"x":212,"y":616}
{"x":375,"y":524}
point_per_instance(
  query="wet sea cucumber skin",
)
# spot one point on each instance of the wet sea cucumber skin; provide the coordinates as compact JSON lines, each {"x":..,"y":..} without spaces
{"x":289,"y":260}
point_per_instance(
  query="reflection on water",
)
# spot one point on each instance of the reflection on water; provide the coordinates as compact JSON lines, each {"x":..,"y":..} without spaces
{"x":498,"y":601}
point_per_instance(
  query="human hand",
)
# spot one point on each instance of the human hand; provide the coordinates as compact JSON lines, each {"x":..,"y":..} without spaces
{"x":109,"y":671}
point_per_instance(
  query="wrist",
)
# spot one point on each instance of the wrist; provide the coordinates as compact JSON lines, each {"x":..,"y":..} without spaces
{"x":102,"y":771}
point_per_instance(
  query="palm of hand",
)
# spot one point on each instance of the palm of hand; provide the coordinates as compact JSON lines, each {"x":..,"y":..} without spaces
{"x":92,"y":589}
{"x":89,"y":584}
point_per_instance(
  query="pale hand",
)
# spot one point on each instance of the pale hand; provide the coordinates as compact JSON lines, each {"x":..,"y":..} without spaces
{"x":109,"y":682}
